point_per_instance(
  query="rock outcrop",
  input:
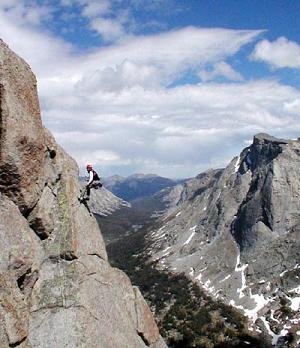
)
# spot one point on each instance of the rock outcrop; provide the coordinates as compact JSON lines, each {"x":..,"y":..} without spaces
{"x":103,"y":202}
{"x":57,"y":288}
{"x":236,"y":232}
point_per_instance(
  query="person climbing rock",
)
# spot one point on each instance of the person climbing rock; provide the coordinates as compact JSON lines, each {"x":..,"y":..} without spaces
{"x":93,"y":181}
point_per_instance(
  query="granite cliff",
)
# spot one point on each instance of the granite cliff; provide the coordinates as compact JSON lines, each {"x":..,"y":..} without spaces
{"x":236,"y":233}
{"x":57,"y":288}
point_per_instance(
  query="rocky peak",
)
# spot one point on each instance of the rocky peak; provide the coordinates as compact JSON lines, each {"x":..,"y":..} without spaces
{"x":23,"y":150}
{"x":263,"y":150}
{"x":274,"y":164}
{"x":58,"y":289}
{"x":236,"y":234}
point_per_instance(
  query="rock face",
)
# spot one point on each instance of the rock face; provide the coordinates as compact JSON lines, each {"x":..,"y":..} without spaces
{"x":236,"y":232}
{"x":57,"y":288}
{"x":104,"y":202}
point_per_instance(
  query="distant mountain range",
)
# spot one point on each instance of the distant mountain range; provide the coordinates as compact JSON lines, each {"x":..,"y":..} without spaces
{"x":137,"y":185}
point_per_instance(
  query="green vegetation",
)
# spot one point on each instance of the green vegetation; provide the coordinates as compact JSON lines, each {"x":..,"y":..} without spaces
{"x":186,"y":315}
{"x":120,"y":223}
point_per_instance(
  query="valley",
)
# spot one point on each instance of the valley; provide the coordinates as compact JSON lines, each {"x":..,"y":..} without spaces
{"x":201,"y":235}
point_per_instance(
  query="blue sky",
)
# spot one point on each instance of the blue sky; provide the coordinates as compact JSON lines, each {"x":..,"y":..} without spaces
{"x":163,"y":86}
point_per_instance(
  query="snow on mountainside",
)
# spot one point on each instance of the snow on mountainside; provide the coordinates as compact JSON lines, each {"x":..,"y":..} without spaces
{"x":236,"y":233}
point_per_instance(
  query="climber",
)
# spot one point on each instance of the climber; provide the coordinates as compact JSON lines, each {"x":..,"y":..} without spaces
{"x":93,"y":181}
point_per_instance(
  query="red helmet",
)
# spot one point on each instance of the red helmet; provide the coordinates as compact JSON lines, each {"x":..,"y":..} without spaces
{"x":89,"y":167}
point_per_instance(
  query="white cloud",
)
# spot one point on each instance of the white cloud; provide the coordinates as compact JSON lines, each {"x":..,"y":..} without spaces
{"x":111,"y":106}
{"x":105,"y":18}
{"x":280,"y":53}
{"x":96,"y":8}
{"x":172,"y":53}
{"x":109,"y":29}
{"x":114,"y":79}
{"x":6,"y":4}
{"x":26,"y":12}
{"x":194,"y":127}
{"x":220,"y":69}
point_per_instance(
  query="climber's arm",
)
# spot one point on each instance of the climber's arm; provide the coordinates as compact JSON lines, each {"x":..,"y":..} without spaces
{"x":90,"y":178}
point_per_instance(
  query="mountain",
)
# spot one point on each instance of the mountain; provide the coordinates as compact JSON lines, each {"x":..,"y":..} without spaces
{"x":137,"y":185}
{"x":57,"y":287}
{"x":103,"y":202}
{"x":236,"y":233}
{"x":132,"y":217}
{"x":186,"y":315}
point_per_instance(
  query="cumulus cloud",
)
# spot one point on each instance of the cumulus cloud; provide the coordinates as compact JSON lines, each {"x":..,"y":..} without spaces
{"x":109,"y":29}
{"x":48,"y":55}
{"x":26,"y":12}
{"x":105,"y":18}
{"x":280,"y":53}
{"x":124,"y":75}
{"x":179,"y":131}
{"x":111,"y":106}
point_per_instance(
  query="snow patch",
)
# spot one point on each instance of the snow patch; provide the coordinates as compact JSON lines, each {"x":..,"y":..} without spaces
{"x":178,"y":214}
{"x":296,"y":290}
{"x":237,"y":165}
{"x":241,"y":269}
{"x":192,"y":271}
{"x":158,"y":232}
{"x":204,"y":209}
{"x":166,"y":252}
{"x":259,"y":300}
{"x":207,"y":286}
{"x":189,"y":239}
{"x":295,"y":303}
{"x":199,"y":276}
{"x":167,"y":248}
{"x":233,"y":304}
{"x":272,"y":316}
{"x":275,"y":336}
{"x":283,"y":273}
{"x":260,"y":303}
{"x":191,"y":236}
{"x":227,"y":277}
